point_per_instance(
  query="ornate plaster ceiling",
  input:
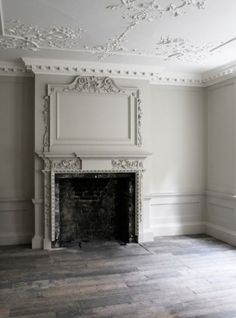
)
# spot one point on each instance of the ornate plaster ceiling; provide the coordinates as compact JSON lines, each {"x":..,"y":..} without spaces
{"x":177,"y":35}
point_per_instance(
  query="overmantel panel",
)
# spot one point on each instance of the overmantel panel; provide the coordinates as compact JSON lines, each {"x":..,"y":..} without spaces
{"x":91,"y":111}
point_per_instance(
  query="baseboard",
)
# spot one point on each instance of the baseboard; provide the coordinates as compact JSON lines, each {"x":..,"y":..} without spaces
{"x":146,"y":236}
{"x":179,"y":229}
{"x":37,"y":242}
{"x":15,"y":238}
{"x":221,"y":233}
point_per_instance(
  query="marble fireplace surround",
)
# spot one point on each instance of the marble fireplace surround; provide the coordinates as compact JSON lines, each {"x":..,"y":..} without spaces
{"x":54,"y":166}
{"x":91,"y":125}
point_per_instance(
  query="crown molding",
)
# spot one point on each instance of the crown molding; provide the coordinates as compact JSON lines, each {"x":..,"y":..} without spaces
{"x":13,"y":69}
{"x":155,"y":75}
{"x":219,"y":74}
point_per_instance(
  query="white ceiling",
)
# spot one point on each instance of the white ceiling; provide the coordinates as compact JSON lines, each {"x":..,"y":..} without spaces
{"x":176,"y":35}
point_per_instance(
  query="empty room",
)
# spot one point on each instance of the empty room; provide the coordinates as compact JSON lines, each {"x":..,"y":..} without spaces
{"x":117,"y":159}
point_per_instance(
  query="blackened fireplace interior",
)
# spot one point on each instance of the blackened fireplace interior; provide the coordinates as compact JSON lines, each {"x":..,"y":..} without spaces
{"x":94,"y":206}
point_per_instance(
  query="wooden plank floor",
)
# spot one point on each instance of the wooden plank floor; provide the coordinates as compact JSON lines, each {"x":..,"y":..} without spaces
{"x":174,"y":277}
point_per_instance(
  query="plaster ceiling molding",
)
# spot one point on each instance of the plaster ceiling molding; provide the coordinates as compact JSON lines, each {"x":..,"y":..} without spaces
{"x":18,"y":35}
{"x":113,"y":46}
{"x":183,"y":50}
{"x":137,"y":12}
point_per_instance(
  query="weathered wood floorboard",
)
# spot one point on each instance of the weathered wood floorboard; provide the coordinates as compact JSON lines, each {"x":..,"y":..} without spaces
{"x":173,"y":277}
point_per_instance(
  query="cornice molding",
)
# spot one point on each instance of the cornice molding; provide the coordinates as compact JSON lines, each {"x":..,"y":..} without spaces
{"x":152,"y":74}
{"x":14,"y":69}
{"x":219,"y":75}
{"x":155,"y":75}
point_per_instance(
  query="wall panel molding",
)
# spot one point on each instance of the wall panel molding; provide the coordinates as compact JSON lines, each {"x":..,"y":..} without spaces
{"x":176,"y":213}
{"x":113,"y":121}
{"x":221,"y":216}
{"x":221,"y":233}
{"x":16,"y":221}
{"x":15,"y":238}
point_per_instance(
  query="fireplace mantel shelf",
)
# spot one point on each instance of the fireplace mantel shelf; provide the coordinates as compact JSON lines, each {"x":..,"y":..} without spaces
{"x":97,"y":155}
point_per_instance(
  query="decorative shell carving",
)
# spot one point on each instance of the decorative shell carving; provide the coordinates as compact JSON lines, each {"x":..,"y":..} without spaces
{"x":93,"y":84}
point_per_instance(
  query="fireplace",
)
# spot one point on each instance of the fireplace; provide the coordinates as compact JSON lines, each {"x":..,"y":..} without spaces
{"x":94,"y":206}
{"x":88,"y":204}
{"x":91,"y":132}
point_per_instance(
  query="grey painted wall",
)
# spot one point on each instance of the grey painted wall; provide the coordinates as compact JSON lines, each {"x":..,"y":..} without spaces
{"x":176,"y":120}
{"x":221,"y":169}
{"x":16,"y":160}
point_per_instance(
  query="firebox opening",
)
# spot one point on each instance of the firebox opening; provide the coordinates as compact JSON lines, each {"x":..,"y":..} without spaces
{"x":94,"y":206}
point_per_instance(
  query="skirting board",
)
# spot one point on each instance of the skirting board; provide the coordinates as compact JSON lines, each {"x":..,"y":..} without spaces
{"x":179,"y":229}
{"x":221,"y":233}
{"x":146,"y":237}
{"x":15,"y":238}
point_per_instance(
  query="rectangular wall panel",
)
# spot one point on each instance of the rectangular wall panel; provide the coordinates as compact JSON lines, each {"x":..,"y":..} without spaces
{"x":92,"y":119}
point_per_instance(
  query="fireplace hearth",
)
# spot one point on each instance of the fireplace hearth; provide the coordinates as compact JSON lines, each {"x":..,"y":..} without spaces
{"x":94,"y":206}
